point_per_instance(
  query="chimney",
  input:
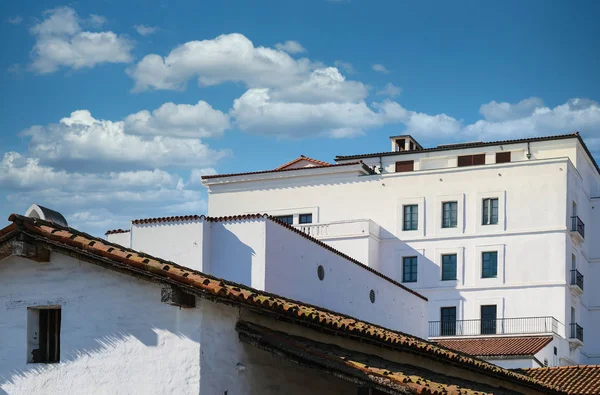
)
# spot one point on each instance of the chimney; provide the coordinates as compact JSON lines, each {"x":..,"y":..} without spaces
{"x":404,"y":143}
{"x":41,"y":212}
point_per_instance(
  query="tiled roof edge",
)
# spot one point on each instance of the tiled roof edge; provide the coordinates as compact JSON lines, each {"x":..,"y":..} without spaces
{"x":301,"y":158}
{"x":208,"y":177}
{"x":115,"y":231}
{"x":462,"y":146}
{"x":176,"y":218}
{"x":122,"y":258}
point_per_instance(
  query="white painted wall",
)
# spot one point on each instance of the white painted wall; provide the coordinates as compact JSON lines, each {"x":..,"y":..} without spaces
{"x":533,"y":236}
{"x":291,"y":270}
{"x":123,"y":238}
{"x":117,"y":337}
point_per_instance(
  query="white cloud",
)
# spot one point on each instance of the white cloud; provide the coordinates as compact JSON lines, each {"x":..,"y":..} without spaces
{"x":230,"y":57}
{"x":179,"y":120}
{"x":256,"y":111}
{"x":15,"y":20}
{"x":390,"y":90}
{"x":60,"y":42}
{"x":97,"y":20}
{"x":80,"y":140}
{"x":144,"y":30}
{"x":346,"y":67}
{"x":380,"y":68}
{"x":290,"y":46}
{"x":494,"y":111}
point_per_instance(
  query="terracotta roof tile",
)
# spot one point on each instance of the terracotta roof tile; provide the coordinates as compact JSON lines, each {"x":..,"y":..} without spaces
{"x":208,"y":177}
{"x":498,"y":346}
{"x":178,"y":218}
{"x":99,"y":251}
{"x":116,"y":231}
{"x":370,"y":370}
{"x":576,"y":380}
{"x":301,"y":158}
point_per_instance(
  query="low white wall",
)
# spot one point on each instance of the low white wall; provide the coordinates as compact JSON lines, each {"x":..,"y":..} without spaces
{"x":122,"y":238}
{"x":292,"y":263}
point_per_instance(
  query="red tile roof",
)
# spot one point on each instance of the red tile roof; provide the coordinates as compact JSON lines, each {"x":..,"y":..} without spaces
{"x":208,"y":177}
{"x":576,"y":380}
{"x":115,"y":231}
{"x":498,"y":346}
{"x":364,"y":369}
{"x":177,"y":218}
{"x":85,"y":247}
{"x":301,"y":158}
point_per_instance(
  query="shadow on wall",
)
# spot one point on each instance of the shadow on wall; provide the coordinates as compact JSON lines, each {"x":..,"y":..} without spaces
{"x":234,"y":262}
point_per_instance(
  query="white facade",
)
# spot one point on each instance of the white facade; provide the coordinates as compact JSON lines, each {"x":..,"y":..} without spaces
{"x":118,"y":338}
{"x":544,"y":185}
{"x":268,"y":256}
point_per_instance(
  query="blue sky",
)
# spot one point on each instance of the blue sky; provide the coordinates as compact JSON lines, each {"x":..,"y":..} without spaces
{"x":112,"y":110}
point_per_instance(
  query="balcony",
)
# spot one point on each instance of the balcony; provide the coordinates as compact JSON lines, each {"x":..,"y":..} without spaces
{"x":577,"y":227}
{"x":341,"y":229}
{"x":500,"y":326}
{"x":576,"y":335}
{"x":576,"y":281}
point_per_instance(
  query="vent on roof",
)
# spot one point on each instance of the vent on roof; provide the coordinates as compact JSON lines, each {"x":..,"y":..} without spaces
{"x":404,"y":143}
{"x":41,"y":212}
{"x":459,"y":144}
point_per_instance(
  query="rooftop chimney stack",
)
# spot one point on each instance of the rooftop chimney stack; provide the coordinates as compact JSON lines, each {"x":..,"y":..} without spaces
{"x":404,"y":143}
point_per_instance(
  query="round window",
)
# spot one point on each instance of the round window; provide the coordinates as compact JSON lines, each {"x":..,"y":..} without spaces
{"x":372,"y":296}
{"x":321,"y":272}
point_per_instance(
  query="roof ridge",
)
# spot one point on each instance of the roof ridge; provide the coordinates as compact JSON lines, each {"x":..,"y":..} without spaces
{"x":300,"y":158}
{"x":211,"y":287}
{"x":208,"y":177}
{"x":115,"y":231}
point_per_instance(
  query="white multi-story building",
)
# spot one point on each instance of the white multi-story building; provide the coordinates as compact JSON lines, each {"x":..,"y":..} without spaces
{"x":499,"y":236}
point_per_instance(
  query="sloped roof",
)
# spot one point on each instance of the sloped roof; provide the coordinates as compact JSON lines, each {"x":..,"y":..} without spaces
{"x":365,"y":167}
{"x":498,"y":346}
{"x":85,"y":247}
{"x":576,"y":380}
{"x":303,"y":158}
{"x":366,"y":369}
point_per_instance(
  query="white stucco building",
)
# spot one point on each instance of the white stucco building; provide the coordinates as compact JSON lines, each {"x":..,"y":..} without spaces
{"x":499,"y":236}
{"x":81,"y":315}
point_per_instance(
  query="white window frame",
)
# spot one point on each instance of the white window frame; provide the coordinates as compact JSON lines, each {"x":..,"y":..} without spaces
{"x":492,"y":228}
{"x":460,"y":223}
{"x":477,"y":261}
{"x":460,"y":259}
{"x":410,"y":234}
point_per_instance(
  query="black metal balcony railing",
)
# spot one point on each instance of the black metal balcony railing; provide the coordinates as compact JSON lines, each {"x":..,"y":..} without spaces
{"x":576,"y":332}
{"x":500,"y":326}
{"x":578,"y":226}
{"x":577,"y":278}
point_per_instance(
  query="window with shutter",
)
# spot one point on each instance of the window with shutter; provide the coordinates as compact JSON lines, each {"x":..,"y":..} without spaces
{"x":471,"y":160}
{"x":404,"y":166}
{"x":502,"y":157}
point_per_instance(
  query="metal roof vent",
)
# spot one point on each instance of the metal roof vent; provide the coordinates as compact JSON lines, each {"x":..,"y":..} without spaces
{"x":41,"y":212}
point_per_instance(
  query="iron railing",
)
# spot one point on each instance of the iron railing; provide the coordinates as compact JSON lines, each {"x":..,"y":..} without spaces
{"x":499,"y":326}
{"x":577,"y":278}
{"x":578,"y":226}
{"x":576,"y":332}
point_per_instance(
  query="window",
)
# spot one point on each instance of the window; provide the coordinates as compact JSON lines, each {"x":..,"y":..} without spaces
{"x":490,"y":211}
{"x":449,"y":214}
{"x":404,"y":166}
{"x":43,"y":335}
{"x":305,"y":218}
{"x":503,"y":157}
{"x":409,"y":269}
{"x":448,"y":267}
{"x":411,"y":217}
{"x":448,"y":315}
{"x":471,"y":160}
{"x":488,"y":319}
{"x":489,"y":264}
{"x":286,"y":219}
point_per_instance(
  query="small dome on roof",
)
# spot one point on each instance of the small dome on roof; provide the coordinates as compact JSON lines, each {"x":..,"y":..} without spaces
{"x":41,"y":212}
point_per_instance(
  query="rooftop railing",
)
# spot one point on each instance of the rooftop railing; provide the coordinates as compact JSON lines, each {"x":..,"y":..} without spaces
{"x":499,"y":326}
{"x":578,"y":226}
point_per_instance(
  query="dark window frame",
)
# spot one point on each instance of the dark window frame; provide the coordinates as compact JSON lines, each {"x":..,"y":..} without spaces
{"x":285,"y":218}
{"x":489,"y":317}
{"x":412,"y":211}
{"x":449,"y":273}
{"x":503,"y":157}
{"x":302,"y":218}
{"x":448,"y":321}
{"x":471,"y":160}
{"x":449,"y":215}
{"x":410,"y":269}
{"x":489,"y":266}
{"x":405,"y":166}
{"x":49,"y":325}
{"x":490,"y":213}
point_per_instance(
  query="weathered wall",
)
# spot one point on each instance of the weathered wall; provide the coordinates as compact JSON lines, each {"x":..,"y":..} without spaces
{"x":117,"y":337}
